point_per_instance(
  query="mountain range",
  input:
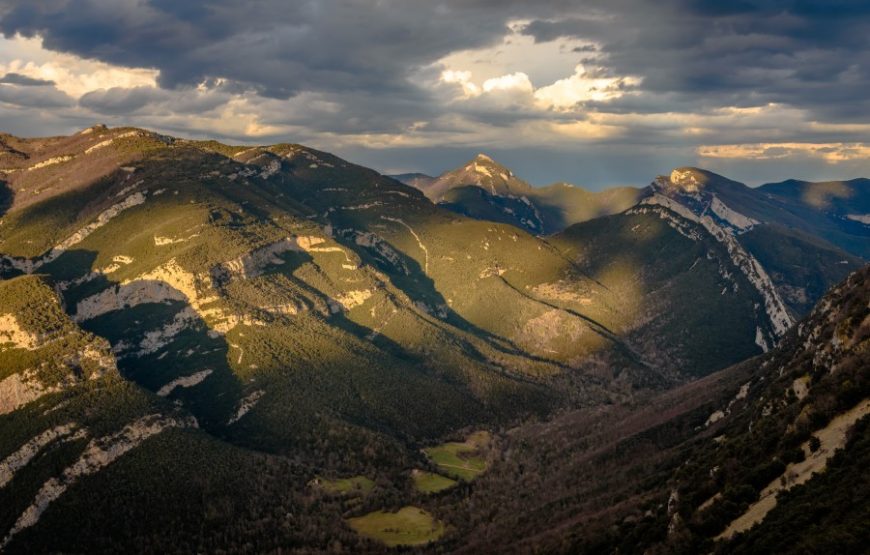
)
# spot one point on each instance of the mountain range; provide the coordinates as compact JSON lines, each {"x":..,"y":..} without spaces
{"x":283,"y":348}
{"x":835,"y":211}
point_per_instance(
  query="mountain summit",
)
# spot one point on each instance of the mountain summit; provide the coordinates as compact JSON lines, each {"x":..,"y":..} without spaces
{"x":486,"y":190}
{"x":481,"y":171}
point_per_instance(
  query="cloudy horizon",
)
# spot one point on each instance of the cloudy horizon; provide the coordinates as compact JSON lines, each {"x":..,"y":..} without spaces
{"x":594,"y":93}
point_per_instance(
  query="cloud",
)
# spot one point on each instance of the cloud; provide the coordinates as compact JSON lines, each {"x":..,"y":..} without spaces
{"x":812,"y":55}
{"x":581,"y":87}
{"x":275,"y":47}
{"x":121,"y":100}
{"x":23,"y":80}
{"x":518,"y":82}
{"x":32,"y":93}
{"x":833,"y":153}
{"x":118,"y":100}
{"x":71,"y":74}
{"x":463,"y":79}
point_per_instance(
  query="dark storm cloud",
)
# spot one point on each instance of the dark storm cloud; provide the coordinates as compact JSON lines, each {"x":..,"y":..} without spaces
{"x":808,"y":54}
{"x":814,"y":55}
{"x":33,"y":95}
{"x":23,"y":80}
{"x":121,"y":100}
{"x":279,"y":48}
{"x":118,"y":100}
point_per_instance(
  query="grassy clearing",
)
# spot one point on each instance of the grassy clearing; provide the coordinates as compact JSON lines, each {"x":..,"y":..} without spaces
{"x":409,"y":526}
{"x":354,"y":484}
{"x":464,"y":460}
{"x":429,"y":482}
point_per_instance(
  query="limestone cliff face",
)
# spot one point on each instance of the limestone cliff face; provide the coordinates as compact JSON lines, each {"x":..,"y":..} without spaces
{"x":43,"y":350}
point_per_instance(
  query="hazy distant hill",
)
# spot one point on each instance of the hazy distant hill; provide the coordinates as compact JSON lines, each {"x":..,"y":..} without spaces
{"x":838,"y":211}
{"x":418,"y":180}
{"x":827,"y":214}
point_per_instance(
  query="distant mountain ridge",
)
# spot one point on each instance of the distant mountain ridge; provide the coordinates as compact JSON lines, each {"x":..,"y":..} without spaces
{"x":835,"y":212}
{"x":485,"y":189}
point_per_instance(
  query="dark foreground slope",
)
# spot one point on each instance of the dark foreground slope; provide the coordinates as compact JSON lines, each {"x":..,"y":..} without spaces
{"x":768,"y":456}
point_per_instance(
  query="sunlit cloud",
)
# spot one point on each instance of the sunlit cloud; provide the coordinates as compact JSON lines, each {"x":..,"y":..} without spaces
{"x":587,"y":130}
{"x":461,"y":78}
{"x":580,"y":87}
{"x":829,"y":152}
{"x":71,"y":74}
{"x":518,"y":81}
{"x":564,"y":94}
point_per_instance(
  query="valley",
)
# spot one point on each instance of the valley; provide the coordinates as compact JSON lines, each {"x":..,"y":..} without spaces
{"x":288,"y":351}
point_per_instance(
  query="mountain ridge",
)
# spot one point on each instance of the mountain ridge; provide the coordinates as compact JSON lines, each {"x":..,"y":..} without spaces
{"x":485,"y":189}
{"x":834,"y":211}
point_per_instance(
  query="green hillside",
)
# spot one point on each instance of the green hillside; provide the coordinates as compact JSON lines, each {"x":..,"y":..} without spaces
{"x":220,"y":325}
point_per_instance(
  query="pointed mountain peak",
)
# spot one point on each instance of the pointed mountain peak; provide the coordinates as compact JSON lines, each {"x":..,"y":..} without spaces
{"x":482,"y":158}
{"x":486,"y":165}
{"x":481,"y":171}
{"x":484,"y":172}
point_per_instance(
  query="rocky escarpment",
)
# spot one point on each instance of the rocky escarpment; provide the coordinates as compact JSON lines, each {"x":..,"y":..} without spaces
{"x":683,"y":195}
{"x":99,"y":453}
{"x":41,"y":350}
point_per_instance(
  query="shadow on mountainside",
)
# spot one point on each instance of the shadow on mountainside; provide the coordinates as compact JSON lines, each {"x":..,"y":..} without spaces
{"x":156,"y":342}
{"x":7,"y":195}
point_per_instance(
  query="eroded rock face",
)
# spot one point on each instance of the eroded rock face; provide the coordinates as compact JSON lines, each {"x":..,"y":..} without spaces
{"x":167,"y":282}
{"x":201,"y":292}
{"x":254,"y":263}
{"x":349,"y":300}
{"x":99,"y":453}
{"x":31,"y":265}
{"x":50,"y":162}
{"x":379,"y":247}
{"x":92,"y":362}
{"x":21,"y":388}
{"x":831,"y":438}
{"x":780,"y":319}
{"x":13,"y":336}
{"x":21,"y":457}
{"x":245,"y":405}
{"x":184,"y":382}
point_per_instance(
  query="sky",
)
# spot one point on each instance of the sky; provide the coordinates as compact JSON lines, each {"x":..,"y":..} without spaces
{"x":597,"y":93}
